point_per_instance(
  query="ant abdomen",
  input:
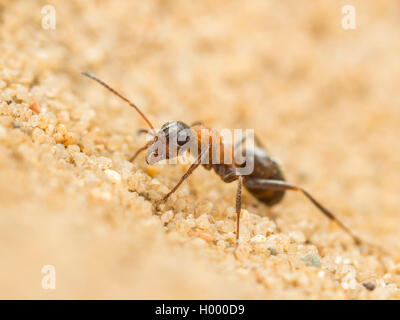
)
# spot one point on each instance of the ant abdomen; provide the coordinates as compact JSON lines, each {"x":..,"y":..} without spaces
{"x":265,"y":167}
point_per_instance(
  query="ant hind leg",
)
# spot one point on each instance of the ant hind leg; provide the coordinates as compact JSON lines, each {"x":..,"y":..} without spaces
{"x":197,"y":123}
{"x":279,"y":185}
{"x":244,"y":138}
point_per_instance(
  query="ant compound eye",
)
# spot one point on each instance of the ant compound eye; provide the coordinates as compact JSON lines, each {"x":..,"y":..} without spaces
{"x":183,"y":137}
{"x":181,"y":143}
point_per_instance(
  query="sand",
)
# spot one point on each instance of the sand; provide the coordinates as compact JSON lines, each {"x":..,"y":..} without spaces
{"x":324,"y":100}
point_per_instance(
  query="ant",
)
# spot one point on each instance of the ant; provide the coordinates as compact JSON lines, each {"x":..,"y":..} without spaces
{"x":266,"y":182}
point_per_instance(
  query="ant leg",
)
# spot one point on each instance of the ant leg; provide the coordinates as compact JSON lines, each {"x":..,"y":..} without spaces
{"x":193,"y":166}
{"x":140,"y":131}
{"x":238,"y":207}
{"x":197,"y":123}
{"x":279,"y":185}
{"x":239,"y":143}
{"x":140,"y":150}
{"x":256,"y":140}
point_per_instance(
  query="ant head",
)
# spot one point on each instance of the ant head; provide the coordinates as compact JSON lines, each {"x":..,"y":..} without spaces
{"x":172,"y":140}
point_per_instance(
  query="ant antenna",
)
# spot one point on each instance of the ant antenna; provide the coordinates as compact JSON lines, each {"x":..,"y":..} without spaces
{"x":87,"y":74}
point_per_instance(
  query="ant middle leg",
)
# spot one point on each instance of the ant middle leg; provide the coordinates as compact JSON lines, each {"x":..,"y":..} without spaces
{"x":279,"y":185}
{"x":238,"y":206}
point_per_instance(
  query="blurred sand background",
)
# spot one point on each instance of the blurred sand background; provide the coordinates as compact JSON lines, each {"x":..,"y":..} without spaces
{"x":324,"y":100}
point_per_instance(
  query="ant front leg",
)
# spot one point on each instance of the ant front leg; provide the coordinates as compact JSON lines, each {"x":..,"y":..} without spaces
{"x":192,"y":167}
{"x":141,"y":131}
{"x":279,"y":185}
{"x":140,"y":150}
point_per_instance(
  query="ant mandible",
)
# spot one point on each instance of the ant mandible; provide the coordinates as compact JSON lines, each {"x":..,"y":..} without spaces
{"x":266,"y":182}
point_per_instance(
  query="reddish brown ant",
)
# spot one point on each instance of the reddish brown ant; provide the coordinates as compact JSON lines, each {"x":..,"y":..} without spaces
{"x":266,"y":182}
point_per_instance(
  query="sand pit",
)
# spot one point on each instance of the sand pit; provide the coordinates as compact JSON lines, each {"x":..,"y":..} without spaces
{"x":324,"y":100}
